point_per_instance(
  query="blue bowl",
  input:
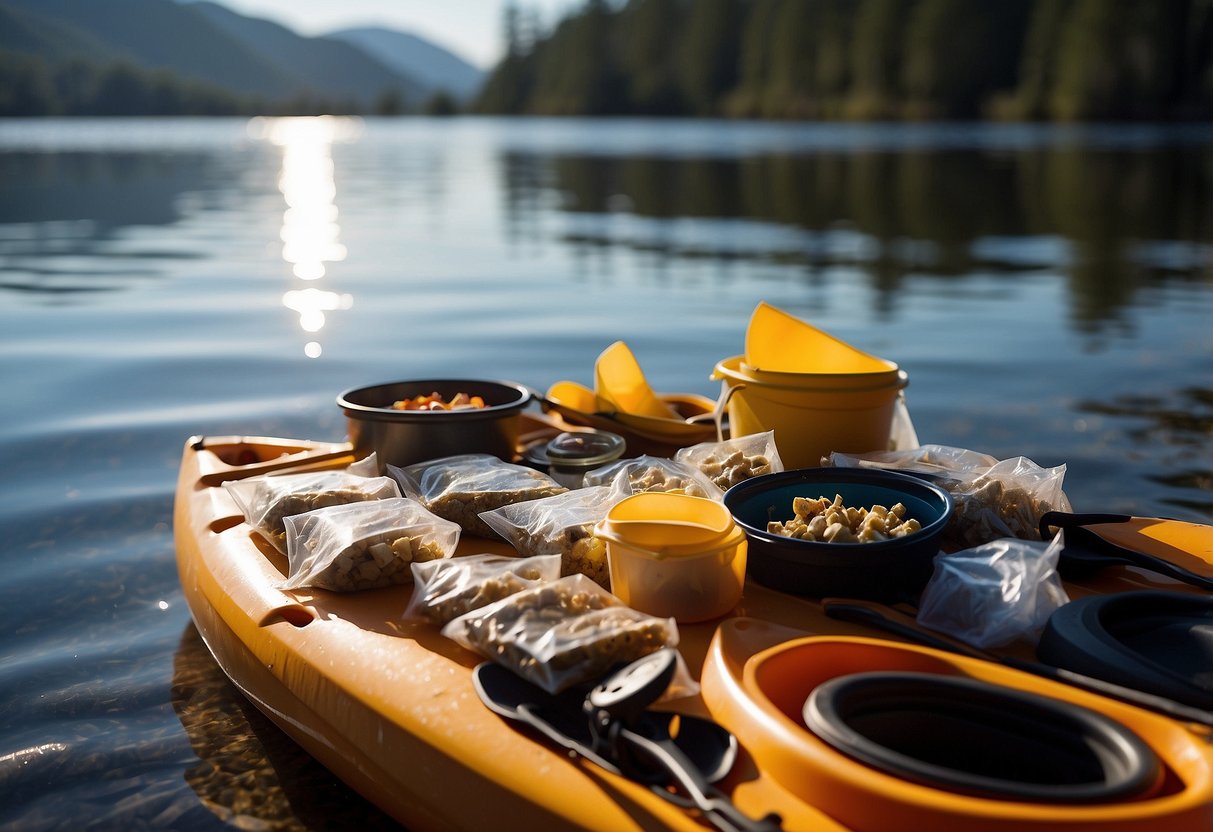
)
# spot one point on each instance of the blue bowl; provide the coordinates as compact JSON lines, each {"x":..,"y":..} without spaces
{"x":886,"y":570}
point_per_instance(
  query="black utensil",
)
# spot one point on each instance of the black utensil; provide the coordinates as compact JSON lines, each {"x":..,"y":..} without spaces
{"x":612,"y":727}
{"x":615,"y":709}
{"x":1087,"y":551}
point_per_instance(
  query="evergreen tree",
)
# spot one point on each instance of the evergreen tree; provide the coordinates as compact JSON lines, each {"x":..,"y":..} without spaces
{"x":958,"y":54}
{"x":876,"y":57}
{"x":708,"y":54}
{"x":646,"y":60}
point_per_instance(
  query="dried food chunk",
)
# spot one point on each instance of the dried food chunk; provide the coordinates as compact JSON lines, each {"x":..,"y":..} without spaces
{"x":364,"y":545}
{"x":562,"y":633}
{"x":460,"y":488}
{"x":822,"y":519}
{"x":446,"y":589}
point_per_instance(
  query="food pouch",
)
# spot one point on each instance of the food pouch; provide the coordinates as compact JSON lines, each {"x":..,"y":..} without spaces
{"x":994,"y":594}
{"x":653,"y":473}
{"x":993,"y":499}
{"x":445,"y":589}
{"x":734,"y":460}
{"x":364,"y":545}
{"x":267,"y":500}
{"x":460,"y":487}
{"x":565,"y":633}
{"x":562,"y":524}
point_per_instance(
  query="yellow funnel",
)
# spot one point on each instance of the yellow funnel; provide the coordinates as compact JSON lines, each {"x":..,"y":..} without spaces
{"x":621,"y":386}
{"x":776,"y":342}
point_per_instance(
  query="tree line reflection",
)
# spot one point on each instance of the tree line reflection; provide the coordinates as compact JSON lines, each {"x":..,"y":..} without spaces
{"x":1111,"y":220}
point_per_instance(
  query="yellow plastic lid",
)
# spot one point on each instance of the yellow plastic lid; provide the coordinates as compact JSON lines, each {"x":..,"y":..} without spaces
{"x":664,"y":523}
{"x":781,"y":343}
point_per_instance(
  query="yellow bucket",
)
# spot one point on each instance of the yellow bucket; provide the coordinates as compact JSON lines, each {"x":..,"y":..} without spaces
{"x":812,"y":414}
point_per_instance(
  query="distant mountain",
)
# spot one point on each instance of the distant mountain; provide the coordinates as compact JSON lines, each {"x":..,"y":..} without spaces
{"x":416,"y":58}
{"x":33,"y":33}
{"x":204,"y":42}
{"x":334,"y":66}
{"x":160,"y":34}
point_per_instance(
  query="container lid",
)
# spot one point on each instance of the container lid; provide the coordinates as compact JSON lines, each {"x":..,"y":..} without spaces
{"x":665,"y":523}
{"x":587,"y":448}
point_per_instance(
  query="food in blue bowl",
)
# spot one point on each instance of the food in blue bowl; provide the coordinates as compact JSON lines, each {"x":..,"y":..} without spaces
{"x":881,"y":549}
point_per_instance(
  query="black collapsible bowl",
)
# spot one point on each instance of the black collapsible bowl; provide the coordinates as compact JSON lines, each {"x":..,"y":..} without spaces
{"x":1153,"y":641}
{"x":402,"y":437}
{"x":964,"y":735}
{"x":888,"y":570}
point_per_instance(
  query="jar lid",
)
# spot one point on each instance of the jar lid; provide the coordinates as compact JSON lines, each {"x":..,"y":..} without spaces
{"x":585,"y":448}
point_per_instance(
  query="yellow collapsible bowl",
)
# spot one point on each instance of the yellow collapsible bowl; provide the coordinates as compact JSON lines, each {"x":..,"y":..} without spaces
{"x":674,"y":556}
{"x":812,"y":414}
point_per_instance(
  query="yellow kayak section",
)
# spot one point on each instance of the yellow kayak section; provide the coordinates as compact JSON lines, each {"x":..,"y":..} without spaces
{"x":389,"y":706}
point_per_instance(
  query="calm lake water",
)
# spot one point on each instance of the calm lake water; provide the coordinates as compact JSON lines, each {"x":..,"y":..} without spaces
{"x":1048,"y":290}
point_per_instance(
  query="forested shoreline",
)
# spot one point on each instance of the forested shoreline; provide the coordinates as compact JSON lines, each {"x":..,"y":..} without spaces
{"x":1066,"y":60}
{"x":1015,"y":60}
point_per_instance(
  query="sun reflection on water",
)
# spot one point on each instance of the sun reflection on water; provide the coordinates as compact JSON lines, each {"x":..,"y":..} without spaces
{"x":311,"y":235}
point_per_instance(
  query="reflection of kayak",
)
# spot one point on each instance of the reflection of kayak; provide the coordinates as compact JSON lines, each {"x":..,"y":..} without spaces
{"x":390,"y":707}
{"x":250,"y":774}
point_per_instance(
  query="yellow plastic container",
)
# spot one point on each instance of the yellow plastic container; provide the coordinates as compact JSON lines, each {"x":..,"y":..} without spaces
{"x":675,"y":556}
{"x":812,"y":414}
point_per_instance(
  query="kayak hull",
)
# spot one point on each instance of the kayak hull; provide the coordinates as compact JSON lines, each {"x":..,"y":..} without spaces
{"x":389,"y":707}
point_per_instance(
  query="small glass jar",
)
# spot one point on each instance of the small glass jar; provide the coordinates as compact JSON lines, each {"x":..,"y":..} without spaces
{"x":569,"y":456}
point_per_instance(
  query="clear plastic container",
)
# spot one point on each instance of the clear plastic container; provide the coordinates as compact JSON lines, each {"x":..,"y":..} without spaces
{"x":568,"y":456}
{"x":675,"y":556}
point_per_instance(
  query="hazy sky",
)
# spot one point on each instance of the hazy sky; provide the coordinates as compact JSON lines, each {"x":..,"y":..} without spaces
{"x":469,"y":28}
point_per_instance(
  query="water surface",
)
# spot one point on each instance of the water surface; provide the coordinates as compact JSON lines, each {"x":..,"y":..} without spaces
{"x":1048,"y":290}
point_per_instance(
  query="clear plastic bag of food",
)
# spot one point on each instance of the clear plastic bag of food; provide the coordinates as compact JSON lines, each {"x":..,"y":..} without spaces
{"x":993,"y":499}
{"x":266,"y":501}
{"x":364,"y":545}
{"x":566,"y":633}
{"x":445,"y":589}
{"x":460,"y":487}
{"x":562,"y":524}
{"x":654,"y":473}
{"x":995,"y":593}
{"x":734,"y":460}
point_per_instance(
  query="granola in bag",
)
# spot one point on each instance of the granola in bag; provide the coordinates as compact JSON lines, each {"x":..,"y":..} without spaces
{"x":564,"y":633}
{"x":266,"y":501}
{"x":445,"y":589}
{"x":734,"y":460}
{"x":562,"y":524}
{"x":654,"y":473}
{"x":460,"y":487}
{"x":992,"y":498}
{"x":364,"y":545}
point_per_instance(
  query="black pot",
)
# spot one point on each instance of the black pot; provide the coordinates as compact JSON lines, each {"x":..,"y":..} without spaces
{"x":402,"y":437}
{"x":889,"y":570}
{"x":964,"y":735}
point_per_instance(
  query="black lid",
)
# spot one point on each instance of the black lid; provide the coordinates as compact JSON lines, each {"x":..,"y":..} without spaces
{"x":1152,"y":641}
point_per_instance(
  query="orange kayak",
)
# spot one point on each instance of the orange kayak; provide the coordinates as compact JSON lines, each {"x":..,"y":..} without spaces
{"x":390,"y":707}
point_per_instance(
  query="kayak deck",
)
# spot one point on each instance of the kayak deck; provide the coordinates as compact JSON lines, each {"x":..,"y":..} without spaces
{"x":390,"y":708}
